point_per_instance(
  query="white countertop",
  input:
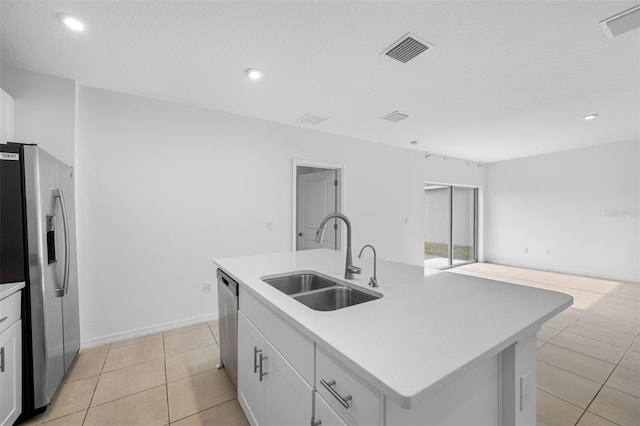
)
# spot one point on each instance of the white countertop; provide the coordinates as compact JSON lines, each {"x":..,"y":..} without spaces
{"x":423,"y":333}
{"x":7,"y":290}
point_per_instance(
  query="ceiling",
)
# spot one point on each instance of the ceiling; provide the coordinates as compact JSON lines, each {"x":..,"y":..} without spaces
{"x":506,"y":79}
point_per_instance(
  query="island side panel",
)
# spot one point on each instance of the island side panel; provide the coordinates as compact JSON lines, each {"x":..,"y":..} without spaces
{"x":470,"y":400}
{"x":518,"y":372}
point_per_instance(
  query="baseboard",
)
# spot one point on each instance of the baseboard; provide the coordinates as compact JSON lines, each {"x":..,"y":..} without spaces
{"x":593,"y":274}
{"x":116,"y":337}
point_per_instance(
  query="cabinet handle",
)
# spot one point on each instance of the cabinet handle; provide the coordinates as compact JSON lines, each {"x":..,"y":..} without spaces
{"x":256,"y":351}
{"x":262,"y":358}
{"x":3,"y":319}
{"x":343,"y":400}
{"x":1,"y":360}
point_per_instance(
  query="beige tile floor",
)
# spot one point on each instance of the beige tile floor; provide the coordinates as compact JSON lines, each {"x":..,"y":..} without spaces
{"x":589,"y":355}
{"x":159,"y":379}
{"x":588,"y":366}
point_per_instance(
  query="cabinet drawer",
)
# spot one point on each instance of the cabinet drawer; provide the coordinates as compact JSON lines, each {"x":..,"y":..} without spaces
{"x":9,"y":310}
{"x":293,"y":345}
{"x":353,"y":399}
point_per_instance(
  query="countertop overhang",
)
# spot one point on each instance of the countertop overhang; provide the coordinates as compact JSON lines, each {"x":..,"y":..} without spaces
{"x":426,"y":330}
{"x":8,"y":289}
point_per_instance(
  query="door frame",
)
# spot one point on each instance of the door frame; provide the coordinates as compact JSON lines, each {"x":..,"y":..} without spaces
{"x":297,"y":162}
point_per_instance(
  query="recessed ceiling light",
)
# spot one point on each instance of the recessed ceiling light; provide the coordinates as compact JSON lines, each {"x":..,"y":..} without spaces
{"x":254,"y":73}
{"x":590,"y":116}
{"x":71,"y":21}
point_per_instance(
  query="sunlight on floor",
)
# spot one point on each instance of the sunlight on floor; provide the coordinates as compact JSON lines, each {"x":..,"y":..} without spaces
{"x":586,"y":292}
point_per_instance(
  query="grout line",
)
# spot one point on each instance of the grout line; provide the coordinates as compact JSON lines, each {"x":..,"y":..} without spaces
{"x":571,"y":372}
{"x":604,"y":384}
{"x":86,"y":413}
{"x":166,"y":380}
{"x":126,"y":396}
{"x":581,"y":353}
{"x":205,"y":409}
{"x":132,"y":365}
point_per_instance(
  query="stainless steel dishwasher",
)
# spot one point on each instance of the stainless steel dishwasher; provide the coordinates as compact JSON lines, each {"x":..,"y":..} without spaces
{"x":228,"y":324}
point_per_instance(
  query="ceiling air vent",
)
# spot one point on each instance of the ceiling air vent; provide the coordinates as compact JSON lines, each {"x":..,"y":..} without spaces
{"x":396,"y":116}
{"x":622,"y":23}
{"x":311,"y":119}
{"x":408,"y":47}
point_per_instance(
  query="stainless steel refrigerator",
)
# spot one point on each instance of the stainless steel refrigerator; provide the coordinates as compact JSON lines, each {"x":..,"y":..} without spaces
{"x":51,"y":330}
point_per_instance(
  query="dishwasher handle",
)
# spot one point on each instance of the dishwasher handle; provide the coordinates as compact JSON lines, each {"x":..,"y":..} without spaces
{"x":227,"y":281}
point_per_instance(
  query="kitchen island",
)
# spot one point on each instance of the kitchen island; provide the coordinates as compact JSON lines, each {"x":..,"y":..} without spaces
{"x":440,"y":348}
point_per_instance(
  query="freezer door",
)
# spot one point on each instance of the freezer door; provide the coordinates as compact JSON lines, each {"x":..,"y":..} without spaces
{"x":70,"y":307}
{"x":47,"y":237}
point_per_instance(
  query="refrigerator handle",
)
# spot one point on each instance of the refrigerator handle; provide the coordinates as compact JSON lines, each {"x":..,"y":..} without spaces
{"x":65,"y":220}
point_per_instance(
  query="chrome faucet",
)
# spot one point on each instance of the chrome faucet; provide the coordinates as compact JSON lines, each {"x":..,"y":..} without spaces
{"x":373,"y":281}
{"x":349,"y":269}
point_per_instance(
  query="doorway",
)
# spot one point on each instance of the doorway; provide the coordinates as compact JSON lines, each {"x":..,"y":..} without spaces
{"x":317,"y":192}
{"x":451,"y":226}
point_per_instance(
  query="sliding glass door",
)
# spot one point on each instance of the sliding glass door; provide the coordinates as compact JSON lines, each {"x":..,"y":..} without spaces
{"x":450,"y":226}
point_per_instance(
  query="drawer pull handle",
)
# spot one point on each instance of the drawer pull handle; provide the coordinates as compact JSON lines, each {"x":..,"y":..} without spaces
{"x":1,"y":360}
{"x":343,"y":400}
{"x":3,"y":319}
{"x":262,"y":358}
{"x":256,"y":351}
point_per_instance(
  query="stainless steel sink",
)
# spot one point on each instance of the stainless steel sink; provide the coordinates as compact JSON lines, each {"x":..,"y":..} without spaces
{"x":299,"y":283}
{"x":318,"y":292}
{"x":334,"y":298}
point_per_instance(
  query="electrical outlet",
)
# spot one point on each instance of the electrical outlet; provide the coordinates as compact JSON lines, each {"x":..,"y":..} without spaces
{"x":526,"y":390}
{"x":548,"y":251}
{"x":526,"y":250}
{"x":207,"y":287}
{"x":270,"y":225}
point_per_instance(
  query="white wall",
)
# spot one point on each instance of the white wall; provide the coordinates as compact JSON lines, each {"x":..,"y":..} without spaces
{"x":6,"y":117}
{"x":44,"y":110}
{"x":581,"y":204}
{"x":165,"y":188}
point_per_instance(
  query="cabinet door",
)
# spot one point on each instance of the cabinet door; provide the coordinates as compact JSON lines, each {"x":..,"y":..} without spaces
{"x":11,"y":374}
{"x":283,"y":397}
{"x":289,"y":396}
{"x":324,"y":415}
{"x":251,"y":391}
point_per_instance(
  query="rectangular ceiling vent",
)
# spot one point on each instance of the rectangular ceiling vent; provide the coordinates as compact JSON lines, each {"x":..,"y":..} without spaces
{"x":408,"y":47}
{"x":311,"y":119}
{"x":621,"y":23}
{"x":396,"y":116}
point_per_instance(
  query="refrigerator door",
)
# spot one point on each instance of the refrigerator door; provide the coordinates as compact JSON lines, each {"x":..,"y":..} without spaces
{"x":48,"y":269}
{"x":70,"y":306}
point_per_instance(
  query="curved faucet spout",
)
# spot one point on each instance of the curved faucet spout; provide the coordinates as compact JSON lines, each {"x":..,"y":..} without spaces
{"x":373,"y":281}
{"x":349,"y":269}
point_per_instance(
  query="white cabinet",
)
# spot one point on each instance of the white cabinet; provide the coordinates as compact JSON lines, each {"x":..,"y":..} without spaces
{"x":349,"y":396}
{"x":270,"y":390}
{"x":10,"y":359}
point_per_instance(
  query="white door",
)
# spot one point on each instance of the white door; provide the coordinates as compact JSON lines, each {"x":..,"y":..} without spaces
{"x":316,"y":198}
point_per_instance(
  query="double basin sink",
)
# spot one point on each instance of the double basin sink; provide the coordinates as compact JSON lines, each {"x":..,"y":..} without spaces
{"x":318,"y":292}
